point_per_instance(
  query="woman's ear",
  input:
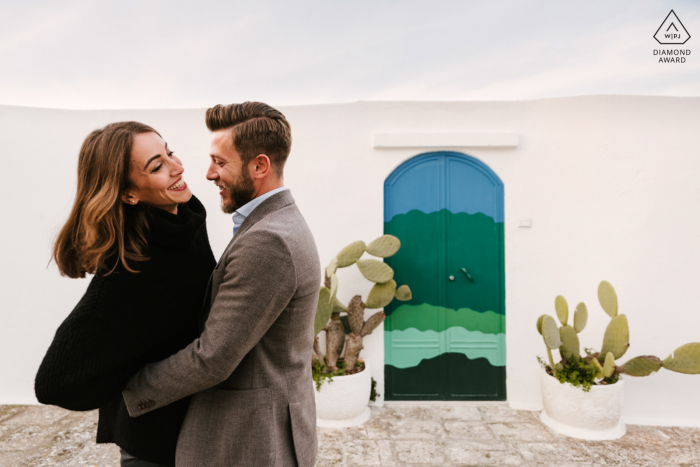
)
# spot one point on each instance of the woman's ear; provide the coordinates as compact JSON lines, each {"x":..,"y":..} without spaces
{"x":128,"y":198}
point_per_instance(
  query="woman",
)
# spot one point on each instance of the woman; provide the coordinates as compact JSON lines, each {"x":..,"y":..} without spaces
{"x":136,"y":226}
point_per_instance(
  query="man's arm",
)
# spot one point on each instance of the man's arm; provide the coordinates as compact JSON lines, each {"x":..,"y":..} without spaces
{"x":258,"y":283}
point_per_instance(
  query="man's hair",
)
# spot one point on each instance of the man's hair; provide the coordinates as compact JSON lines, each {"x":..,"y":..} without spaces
{"x":256,"y":128}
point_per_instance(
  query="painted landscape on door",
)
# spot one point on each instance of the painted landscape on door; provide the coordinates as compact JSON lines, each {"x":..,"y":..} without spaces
{"x":448,"y":341}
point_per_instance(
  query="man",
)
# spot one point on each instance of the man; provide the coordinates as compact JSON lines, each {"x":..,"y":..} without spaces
{"x":249,"y":369}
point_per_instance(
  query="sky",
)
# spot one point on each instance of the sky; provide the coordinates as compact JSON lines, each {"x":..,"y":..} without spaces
{"x":91,"y":54}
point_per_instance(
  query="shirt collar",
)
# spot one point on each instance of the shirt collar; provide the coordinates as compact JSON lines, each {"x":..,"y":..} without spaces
{"x":247,"y":208}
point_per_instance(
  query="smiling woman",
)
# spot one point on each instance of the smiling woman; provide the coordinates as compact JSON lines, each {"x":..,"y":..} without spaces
{"x":156,"y":174}
{"x":137,"y":227}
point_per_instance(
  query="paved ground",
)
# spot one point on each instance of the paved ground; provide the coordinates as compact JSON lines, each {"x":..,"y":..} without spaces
{"x":455,"y":434}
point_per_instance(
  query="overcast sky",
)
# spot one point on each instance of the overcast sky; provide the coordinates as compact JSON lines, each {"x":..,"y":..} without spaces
{"x":92,"y":54}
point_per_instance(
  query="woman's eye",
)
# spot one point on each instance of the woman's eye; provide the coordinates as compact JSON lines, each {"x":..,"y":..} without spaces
{"x":171,"y":153}
{"x":157,"y":169}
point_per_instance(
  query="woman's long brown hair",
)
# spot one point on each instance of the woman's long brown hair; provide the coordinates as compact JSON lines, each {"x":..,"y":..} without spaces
{"x":101,"y":230}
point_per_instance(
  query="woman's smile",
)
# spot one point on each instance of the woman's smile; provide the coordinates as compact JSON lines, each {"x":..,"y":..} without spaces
{"x":178,"y":186}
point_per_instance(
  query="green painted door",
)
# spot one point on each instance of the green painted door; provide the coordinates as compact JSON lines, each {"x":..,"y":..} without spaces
{"x":448,"y":342}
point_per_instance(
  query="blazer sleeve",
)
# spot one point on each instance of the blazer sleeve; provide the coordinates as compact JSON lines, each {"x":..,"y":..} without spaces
{"x":259,"y":282}
{"x":93,"y":354}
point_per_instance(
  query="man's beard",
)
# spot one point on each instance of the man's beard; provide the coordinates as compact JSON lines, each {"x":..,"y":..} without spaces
{"x":240,"y":192}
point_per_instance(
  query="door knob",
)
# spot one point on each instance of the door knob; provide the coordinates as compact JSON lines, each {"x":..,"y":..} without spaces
{"x":452,"y":278}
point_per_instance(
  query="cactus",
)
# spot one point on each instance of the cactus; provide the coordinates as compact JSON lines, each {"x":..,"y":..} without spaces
{"x":617,"y":337}
{"x":570,"y":346}
{"x":562,"y":309}
{"x":685,"y":359}
{"x":383,"y":292}
{"x":580,"y":317}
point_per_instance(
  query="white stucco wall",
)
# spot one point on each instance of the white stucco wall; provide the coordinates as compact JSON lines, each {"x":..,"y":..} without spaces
{"x":610,"y":184}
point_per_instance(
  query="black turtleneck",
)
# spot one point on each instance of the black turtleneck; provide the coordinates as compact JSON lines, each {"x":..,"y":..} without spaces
{"x":126,"y":320}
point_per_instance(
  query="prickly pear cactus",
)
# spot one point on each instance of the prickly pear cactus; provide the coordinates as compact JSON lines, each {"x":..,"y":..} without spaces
{"x":617,"y":337}
{"x":570,"y":346}
{"x":642,"y":366}
{"x":375,"y":271}
{"x":580,"y":317}
{"x":562,"y":309}
{"x":384,"y":246}
{"x":685,"y":359}
{"x":350,"y":254}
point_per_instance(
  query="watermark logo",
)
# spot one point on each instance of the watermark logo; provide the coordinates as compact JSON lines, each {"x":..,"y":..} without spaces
{"x":672,"y":31}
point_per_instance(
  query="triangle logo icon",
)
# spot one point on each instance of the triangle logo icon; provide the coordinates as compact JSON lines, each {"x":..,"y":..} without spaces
{"x":672,"y":31}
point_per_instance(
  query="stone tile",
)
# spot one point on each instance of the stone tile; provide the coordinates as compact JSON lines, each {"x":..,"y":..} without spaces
{"x":8,"y":411}
{"x":519,"y":431}
{"x":503,"y":413}
{"x":467,"y":430}
{"x":484,"y":454}
{"x":553,"y":453}
{"x":98,"y":455}
{"x":74,"y":435}
{"x":421,"y":452}
{"x":329,"y":455}
{"x":38,"y":415}
{"x":406,"y":429}
{"x":386,"y":454}
{"x":362,"y":453}
{"x":681,"y":435}
{"x":397,"y":412}
{"x":25,"y":438}
{"x":457,"y":412}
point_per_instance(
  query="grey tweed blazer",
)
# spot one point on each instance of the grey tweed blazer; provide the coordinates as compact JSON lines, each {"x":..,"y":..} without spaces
{"x":250,"y":370}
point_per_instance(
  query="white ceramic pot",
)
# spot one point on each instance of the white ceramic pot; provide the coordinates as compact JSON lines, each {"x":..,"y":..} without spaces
{"x":593,"y":415}
{"x":343,"y":401}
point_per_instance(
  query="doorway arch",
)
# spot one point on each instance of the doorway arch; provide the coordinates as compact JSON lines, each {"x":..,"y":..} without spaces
{"x":448,"y":341}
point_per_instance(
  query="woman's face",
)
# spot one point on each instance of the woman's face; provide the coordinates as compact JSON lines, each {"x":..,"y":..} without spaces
{"x":156,"y":174}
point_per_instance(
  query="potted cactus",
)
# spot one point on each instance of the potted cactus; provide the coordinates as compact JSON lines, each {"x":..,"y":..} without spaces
{"x":583,"y":395}
{"x":344,"y":384}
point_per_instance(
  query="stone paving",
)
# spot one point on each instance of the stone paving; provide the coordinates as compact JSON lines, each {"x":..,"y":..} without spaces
{"x":460,"y":434}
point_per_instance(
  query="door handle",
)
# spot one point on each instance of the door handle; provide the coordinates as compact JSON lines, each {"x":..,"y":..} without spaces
{"x":469,"y":276}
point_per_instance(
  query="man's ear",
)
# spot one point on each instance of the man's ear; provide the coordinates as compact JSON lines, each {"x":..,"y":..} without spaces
{"x":128,"y":198}
{"x":261,"y":166}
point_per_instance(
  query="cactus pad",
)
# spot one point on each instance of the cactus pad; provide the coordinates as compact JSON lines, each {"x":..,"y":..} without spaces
{"x":562,"y":309}
{"x":642,"y":366}
{"x":332,"y":267}
{"x":372,"y":323}
{"x":334,"y":287}
{"x":617,"y":337}
{"x":350,"y":254}
{"x":570,"y":346}
{"x":356,"y":314}
{"x":539,"y":323}
{"x":323,"y":310}
{"x":598,"y":367}
{"x":607,"y":298}
{"x":403,"y":293}
{"x":685,"y":359}
{"x":381,"y":295}
{"x":550,"y":332}
{"x":580,"y":317}
{"x":609,"y":365}
{"x":375,"y":271}
{"x":384,"y":246}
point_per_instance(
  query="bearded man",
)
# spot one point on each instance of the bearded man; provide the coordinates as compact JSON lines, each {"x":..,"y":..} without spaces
{"x":249,"y":370}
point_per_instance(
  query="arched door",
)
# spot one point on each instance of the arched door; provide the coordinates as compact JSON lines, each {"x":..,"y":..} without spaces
{"x":448,"y":342}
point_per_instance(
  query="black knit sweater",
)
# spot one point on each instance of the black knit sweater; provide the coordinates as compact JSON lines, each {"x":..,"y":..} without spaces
{"x":126,"y":320}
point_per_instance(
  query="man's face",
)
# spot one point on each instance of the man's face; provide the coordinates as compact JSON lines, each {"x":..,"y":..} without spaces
{"x":236,"y":186}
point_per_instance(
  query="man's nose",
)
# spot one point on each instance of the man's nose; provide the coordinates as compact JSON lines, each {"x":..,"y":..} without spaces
{"x":211,"y":174}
